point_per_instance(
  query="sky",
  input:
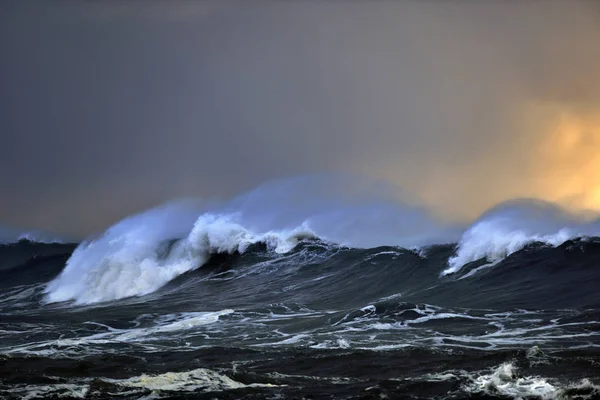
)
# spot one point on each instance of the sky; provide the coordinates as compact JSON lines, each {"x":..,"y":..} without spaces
{"x":108,"y":108}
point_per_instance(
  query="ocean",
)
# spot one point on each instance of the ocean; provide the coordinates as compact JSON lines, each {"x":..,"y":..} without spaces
{"x":171,"y":304}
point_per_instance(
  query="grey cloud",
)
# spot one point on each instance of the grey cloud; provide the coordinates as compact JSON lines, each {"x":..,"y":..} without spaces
{"x":107,"y":110}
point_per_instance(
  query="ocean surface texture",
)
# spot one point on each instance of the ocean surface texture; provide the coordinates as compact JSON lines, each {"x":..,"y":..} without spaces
{"x":218,"y":308}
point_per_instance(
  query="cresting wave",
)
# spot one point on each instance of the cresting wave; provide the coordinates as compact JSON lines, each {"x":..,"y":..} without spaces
{"x":140,"y":254}
{"x":510,"y":227}
{"x":133,"y":262}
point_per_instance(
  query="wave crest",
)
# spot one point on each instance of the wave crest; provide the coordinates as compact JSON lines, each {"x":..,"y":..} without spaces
{"x":511,"y":227}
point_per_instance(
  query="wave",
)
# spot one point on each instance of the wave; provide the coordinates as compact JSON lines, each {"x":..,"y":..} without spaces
{"x":9,"y":236}
{"x":135,"y":262}
{"x":512,"y":226}
{"x":141,"y":254}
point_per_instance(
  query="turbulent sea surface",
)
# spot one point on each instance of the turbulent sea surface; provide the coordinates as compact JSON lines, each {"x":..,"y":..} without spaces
{"x":221,"y":312}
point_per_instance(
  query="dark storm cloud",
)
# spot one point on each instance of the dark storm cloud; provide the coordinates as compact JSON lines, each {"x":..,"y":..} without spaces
{"x":110,"y":107}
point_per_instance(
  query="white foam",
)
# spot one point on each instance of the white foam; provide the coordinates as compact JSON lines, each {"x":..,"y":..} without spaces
{"x":508,"y":229}
{"x":165,"y":384}
{"x":431,"y":317}
{"x":200,"y":379}
{"x":370,"y":308}
{"x":339,"y":343}
{"x":505,"y":381}
{"x":182,"y":322}
{"x":167,"y":326}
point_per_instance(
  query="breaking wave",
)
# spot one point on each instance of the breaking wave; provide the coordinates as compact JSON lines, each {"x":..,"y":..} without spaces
{"x":512,"y":226}
{"x":137,"y":261}
{"x":142,"y":253}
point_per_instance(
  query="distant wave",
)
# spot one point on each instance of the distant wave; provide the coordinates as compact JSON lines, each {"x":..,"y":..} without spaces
{"x":8,"y":235}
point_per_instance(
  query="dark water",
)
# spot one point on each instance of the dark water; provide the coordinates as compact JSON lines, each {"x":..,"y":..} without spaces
{"x":321,"y":321}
